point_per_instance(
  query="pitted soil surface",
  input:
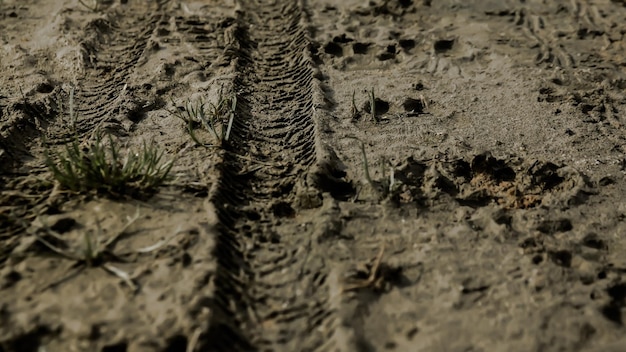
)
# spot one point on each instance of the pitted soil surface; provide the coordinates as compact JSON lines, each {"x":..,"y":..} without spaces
{"x":400,"y":175}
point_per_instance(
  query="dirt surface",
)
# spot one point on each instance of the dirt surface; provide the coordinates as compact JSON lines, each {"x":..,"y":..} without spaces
{"x":401,"y":176}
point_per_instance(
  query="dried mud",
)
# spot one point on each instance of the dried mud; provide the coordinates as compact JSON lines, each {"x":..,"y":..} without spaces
{"x":400,"y":176}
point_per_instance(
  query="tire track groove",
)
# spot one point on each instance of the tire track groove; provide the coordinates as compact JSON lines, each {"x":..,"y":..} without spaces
{"x":271,"y":294}
{"x":113,"y":49}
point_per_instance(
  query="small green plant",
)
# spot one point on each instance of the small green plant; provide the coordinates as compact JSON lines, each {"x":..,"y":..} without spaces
{"x":372,"y":97}
{"x":216,"y":118}
{"x":100,"y":166}
{"x":354,"y":111}
{"x":388,"y":184}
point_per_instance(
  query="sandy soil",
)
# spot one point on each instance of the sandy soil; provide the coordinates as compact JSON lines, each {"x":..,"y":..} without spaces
{"x":491,"y":218}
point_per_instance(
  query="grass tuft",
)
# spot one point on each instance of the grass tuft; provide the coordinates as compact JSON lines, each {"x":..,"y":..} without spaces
{"x":216,"y":118}
{"x":101,"y":167}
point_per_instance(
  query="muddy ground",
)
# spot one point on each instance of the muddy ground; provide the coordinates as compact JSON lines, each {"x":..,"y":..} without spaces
{"x":489,"y":218}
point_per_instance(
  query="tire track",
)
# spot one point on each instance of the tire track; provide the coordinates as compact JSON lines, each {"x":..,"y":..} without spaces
{"x":271,"y":292}
{"x":114,"y":48}
{"x":582,"y":43}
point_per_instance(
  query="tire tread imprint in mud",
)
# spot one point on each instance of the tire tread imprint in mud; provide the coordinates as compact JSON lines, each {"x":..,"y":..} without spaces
{"x":113,"y":48}
{"x":272,"y":295}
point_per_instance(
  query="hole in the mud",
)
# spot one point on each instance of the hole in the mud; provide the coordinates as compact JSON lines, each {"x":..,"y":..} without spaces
{"x":529,"y":242}
{"x":537,"y":259}
{"x":477,"y":199}
{"x":405,"y":3}
{"x":419,"y":86}
{"x":360,"y":48}
{"x":411,"y":333}
{"x":169,"y":69}
{"x":331,"y":180}
{"x":342,"y":39}
{"x":613,"y":312}
{"x":222,"y":337}
{"x":502,"y":218}
{"x":562,"y":258}
{"x":407,"y":44}
{"x":546,"y":90}
{"x":63,"y":225}
{"x":606,"y":181}
{"x":546,"y":175}
{"x":269,"y":238}
{"x":380,"y":106}
{"x":11,"y":279}
{"x":176,"y":343}
{"x":485,"y":163}
{"x":553,"y":226}
{"x":120,"y":347}
{"x":593,"y":241}
{"x":443,"y":45}
{"x":586,"y":108}
{"x":253,"y":215}
{"x":282,"y":210}
{"x":29,"y":342}
{"x":44,"y":88}
{"x":448,"y":186}
{"x":462,"y":168}
{"x":162,"y":32}
{"x":333,"y":49}
{"x":385,"y":55}
{"x":186,"y":259}
{"x":136,"y":115}
{"x":388,"y":54}
{"x":411,"y":171}
{"x":617,"y":292}
{"x":413,"y":106}
{"x":602,"y":275}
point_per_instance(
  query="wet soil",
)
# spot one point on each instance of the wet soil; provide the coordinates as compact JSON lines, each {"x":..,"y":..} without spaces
{"x":400,"y":176}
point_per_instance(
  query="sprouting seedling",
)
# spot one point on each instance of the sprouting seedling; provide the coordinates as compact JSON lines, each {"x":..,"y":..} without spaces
{"x":366,"y":168}
{"x":355,"y":113}
{"x":95,"y":253}
{"x":373,"y":105}
{"x":388,"y":184}
{"x":216,"y":118}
